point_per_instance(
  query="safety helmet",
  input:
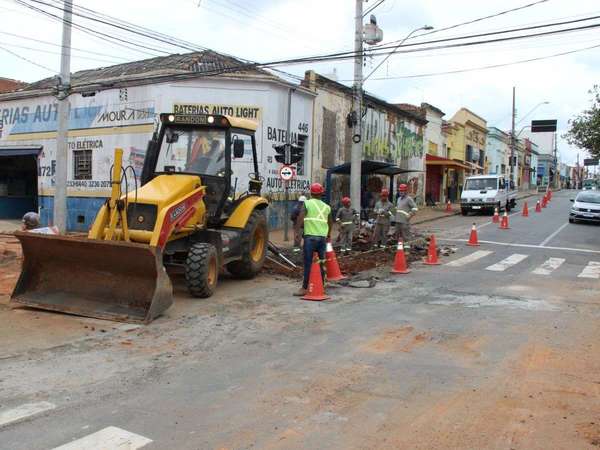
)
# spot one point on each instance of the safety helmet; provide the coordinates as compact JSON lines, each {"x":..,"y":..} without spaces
{"x":385,"y":193}
{"x":316,"y":188}
{"x":302,"y":198}
{"x":403,"y":187}
{"x":346,"y":201}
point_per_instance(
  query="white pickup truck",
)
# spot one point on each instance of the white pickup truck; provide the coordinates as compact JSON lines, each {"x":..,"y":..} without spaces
{"x":486,"y":192}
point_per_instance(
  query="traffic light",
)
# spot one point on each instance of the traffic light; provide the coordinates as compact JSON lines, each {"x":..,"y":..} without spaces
{"x":280,"y":156}
{"x":295,"y":154}
{"x":297,"y":151}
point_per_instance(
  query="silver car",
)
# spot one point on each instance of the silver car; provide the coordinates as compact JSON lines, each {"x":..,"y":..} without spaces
{"x":586,"y":207}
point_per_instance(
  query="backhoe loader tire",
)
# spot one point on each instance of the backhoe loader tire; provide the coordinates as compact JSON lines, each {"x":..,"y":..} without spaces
{"x":202,"y":269}
{"x":254,"y":247}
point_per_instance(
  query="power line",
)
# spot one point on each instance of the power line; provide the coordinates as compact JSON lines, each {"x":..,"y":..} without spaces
{"x":348,"y":55}
{"x":492,"y":66}
{"x":58,"y":45}
{"x":112,"y":24}
{"x":470,"y":22}
{"x":59,"y":53}
{"x":28,"y":60}
{"x":104,"y":36}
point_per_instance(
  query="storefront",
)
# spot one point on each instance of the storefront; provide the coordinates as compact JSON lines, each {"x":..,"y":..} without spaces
{"x":18,"y":180}
{"x":443,"y":180}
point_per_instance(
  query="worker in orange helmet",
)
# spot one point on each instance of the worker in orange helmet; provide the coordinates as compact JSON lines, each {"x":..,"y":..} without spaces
{"x":406,"y":208}
{"x":383,"y":213}
{"x":317,"y":221}
{"x":347,"y":218}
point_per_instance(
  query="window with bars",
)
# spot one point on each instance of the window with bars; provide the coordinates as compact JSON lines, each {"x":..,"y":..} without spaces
{"x":82,"y":163}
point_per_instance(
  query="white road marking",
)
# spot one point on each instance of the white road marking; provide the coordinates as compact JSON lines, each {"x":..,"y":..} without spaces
{"x":501,"y":266}
{"x":592,"y":270}
{"x":506,"y":244}
{"x":549,"y":266}
{"x":469,"y":258}
{"x":549,"y":238}
{"x":23,"y":412}
{"x":110,"y":438}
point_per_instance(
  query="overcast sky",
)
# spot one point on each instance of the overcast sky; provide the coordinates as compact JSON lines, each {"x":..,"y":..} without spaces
{"x":264,"y":30}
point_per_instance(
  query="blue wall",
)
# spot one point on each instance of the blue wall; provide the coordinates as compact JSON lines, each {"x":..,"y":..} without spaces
{"x":16,"y":207}
{"x":78,"y":208}
{"x":88,"y":207}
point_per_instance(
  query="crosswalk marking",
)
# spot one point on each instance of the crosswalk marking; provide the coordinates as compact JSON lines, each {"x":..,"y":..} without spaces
{"x":501,"y":266}
{"x":549,"y":266}
{"x":469,"y":258}
{"x":592,"y":270}
{"x":110,"y":438}
{"x":23,"y":412}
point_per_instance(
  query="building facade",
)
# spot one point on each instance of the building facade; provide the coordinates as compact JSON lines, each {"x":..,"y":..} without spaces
{"x":466,"y":143}
{"x":390,"y":135}
{"x":497,"y":151}
{"x":117,"y":106}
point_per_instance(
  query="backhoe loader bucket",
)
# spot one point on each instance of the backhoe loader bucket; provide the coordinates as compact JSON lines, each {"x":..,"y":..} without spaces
{"x":103,"y":279}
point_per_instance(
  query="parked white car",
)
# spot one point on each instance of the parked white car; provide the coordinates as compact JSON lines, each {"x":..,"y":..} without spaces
{"x":586,"y":207}
{"x":487,"y":192}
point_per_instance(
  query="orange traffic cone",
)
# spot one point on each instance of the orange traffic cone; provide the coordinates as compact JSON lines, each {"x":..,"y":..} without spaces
{"x":525,"y":210}
{"x":432,"y":256}
{"x":448,"y":206}
{"x":504,"y":222}
{"x":315,"y":291}
{"x":400,"y":260}
{"x":544,"y":201}
{"x":538,"y":207}
{"x":332,"y":268}
{"x":473,"y":241}
{"x":496,"y":218}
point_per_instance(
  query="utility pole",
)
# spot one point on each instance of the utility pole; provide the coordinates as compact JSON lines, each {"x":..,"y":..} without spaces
{"x":288,"y":157}
{"x":556,"y":172}
{"x":356,"y":155}
{"x":512,"y":140}
{"x":64,"y":86}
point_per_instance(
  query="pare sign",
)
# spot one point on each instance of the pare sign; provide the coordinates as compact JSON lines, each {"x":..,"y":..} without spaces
{"x":287,"y":173}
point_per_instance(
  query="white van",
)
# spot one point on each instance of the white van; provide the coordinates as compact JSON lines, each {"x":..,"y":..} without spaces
{"x":486,"y":192}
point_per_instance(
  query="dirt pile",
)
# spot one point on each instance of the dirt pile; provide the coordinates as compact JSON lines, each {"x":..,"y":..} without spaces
{"x":362,"y":257}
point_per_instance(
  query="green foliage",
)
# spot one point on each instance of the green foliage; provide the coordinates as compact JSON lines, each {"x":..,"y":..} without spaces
{"x":584,"y":129}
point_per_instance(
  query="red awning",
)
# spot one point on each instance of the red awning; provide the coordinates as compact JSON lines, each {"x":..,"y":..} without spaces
{"x":432,"y":160}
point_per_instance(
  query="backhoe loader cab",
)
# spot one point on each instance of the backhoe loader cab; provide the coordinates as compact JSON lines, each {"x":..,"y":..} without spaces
{"x":185,"y":213}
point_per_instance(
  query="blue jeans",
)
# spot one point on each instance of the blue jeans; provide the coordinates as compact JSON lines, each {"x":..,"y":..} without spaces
{"x":313,"y":244}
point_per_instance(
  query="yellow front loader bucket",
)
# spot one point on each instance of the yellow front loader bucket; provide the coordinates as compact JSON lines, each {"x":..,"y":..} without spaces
{"x":111,"y":280}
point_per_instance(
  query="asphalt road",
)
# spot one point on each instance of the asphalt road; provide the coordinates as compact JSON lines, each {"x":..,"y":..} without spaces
{"x":496,"y":348}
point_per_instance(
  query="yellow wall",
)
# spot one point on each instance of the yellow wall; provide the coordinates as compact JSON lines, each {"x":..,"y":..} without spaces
{"x":456,"y":142}
{"x":432,"y":149}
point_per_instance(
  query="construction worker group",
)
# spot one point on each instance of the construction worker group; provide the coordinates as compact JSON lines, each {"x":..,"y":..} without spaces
{"x":313,"y":222}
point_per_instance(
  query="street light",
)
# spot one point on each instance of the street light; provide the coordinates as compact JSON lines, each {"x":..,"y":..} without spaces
{"x":532,"y":110}
{"x":423,"y":28}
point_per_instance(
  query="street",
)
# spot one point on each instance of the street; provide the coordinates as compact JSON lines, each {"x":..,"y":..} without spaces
{"x":496,"y":348}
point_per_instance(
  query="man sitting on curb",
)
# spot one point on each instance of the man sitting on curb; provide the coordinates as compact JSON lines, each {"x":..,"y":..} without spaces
{"x":316,"y":218}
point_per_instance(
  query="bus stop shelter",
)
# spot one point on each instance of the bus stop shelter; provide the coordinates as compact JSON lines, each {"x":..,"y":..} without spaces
{"x":368,"y":168}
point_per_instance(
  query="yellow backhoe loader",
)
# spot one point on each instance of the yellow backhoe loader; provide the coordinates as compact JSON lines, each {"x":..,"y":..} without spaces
{"x":184,"y":213}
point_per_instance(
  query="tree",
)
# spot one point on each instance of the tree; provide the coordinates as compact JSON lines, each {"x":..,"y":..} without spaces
{"x":584,"y":129}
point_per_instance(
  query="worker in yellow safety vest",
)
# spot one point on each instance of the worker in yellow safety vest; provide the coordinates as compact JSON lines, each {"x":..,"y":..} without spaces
{"x":317,"y":221}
